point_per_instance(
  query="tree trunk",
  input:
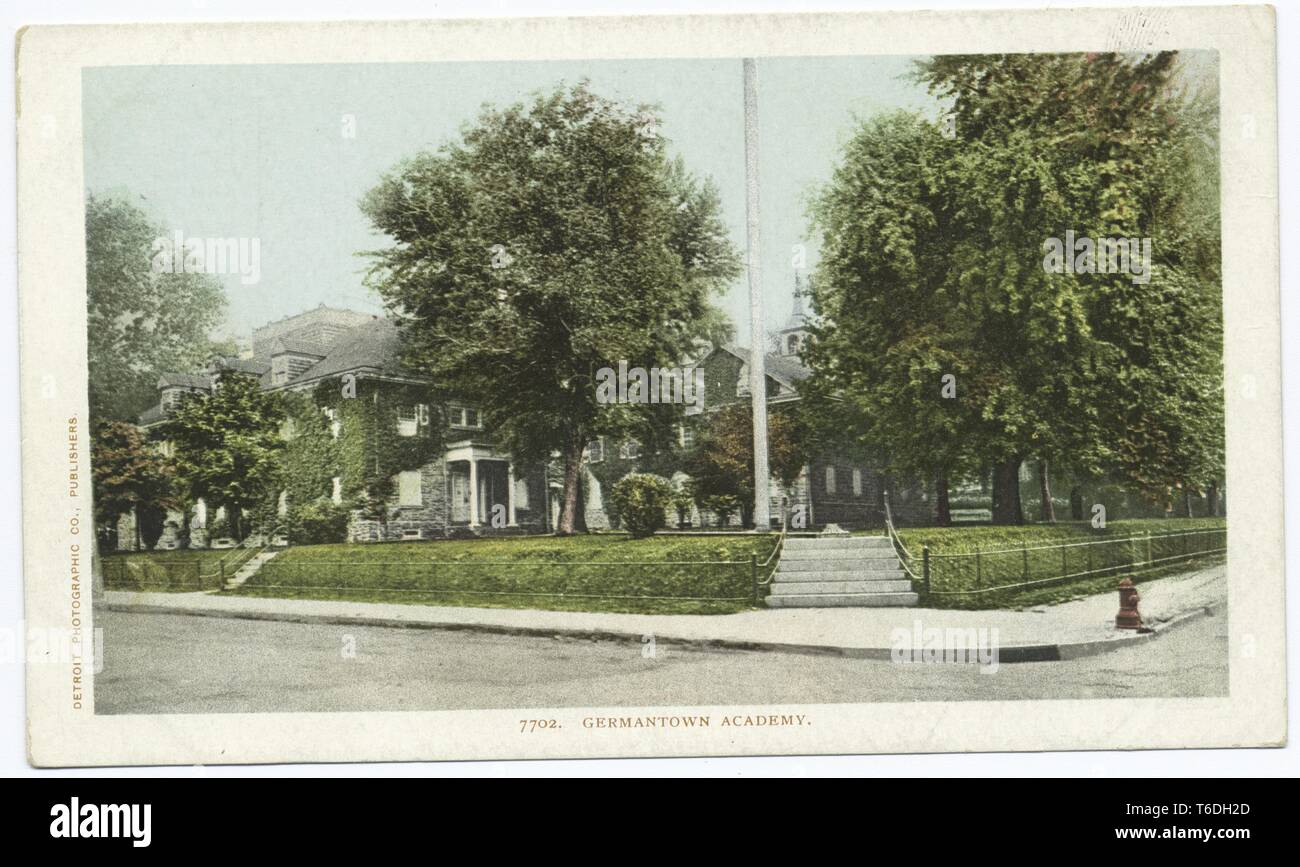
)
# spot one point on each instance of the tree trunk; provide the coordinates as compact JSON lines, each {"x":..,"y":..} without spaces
{"x":1006,"y":492}
{"x":942,"y":510}
{"x":572,"y":481}
{"x":1212,"y":499}
{"x":1187,"y":503}
{"x":1076,"y":504}
{"x":1046,"y":511}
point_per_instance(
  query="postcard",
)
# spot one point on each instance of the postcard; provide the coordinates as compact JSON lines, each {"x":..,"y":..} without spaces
{"x":657,"y":386}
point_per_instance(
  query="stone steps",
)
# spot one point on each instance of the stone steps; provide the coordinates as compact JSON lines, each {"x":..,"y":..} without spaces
{"x":837,"y":554}
{"x":811,"y":576}
{"x":830,"y":543}
{"x":811,"y":588}
{"x":839,"y":571}
{"x":830,"y":564}
{"x":249,"y":569}
{"x":844,"y":600}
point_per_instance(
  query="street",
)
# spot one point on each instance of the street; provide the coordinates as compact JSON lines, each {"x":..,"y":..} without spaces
{"x":162,"y":663}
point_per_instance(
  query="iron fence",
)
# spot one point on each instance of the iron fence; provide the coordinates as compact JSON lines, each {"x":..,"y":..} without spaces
{"x":986,"y":571}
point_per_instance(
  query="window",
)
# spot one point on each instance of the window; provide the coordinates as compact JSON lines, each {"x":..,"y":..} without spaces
{"x":685,"y":436}
{"x":464,"y":417}
{"x":335,"y":425}
{"x":411,"y":534}
{"x":408,"y":489}
{"x":336,"y":490}
{"x":596,"y":450}
{"x":407,"y":420}
{"x":857,"y":482}
{"x":629,"y":450}
{"x":830,"y":480}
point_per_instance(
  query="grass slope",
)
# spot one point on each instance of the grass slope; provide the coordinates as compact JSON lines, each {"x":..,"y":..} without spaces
{"x":579,"y":573}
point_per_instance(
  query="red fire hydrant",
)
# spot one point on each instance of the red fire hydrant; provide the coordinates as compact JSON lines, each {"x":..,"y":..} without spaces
{"x":1128,"y":616}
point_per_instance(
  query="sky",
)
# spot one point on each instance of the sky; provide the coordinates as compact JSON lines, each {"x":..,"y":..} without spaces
{"x":264,"y":151}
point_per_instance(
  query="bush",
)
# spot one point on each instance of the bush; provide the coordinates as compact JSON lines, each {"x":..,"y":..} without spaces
{"x":220,"y":529}
{"x":641,"y":500}
{"x":723,"y":506}
{"x":321,"y":522}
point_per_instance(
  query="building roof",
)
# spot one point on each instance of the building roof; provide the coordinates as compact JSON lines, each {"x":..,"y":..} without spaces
{"x":373,"y":347}
{"x":297,"y":346}
{"x":253,"y":366}
{"x":785,"y":369}
{"x":184,"y":380}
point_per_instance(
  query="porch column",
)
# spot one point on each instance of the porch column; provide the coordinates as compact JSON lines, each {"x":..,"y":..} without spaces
{"x":473,"y":491}
{"x":510,"y":496}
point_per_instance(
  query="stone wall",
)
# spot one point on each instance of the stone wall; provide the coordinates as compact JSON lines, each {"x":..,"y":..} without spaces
{"x":429,"y":519}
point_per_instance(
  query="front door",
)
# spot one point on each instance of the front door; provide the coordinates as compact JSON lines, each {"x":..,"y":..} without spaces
{"x":460,"y":496}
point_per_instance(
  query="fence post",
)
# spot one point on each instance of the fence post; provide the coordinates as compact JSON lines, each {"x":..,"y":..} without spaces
{"x":1065,"y":566}
{"x":221,"y":574}
{"x":1089,"y":558}
{"x":1149,"y":547}
{"x":979,"y":568}
{"x":753,"y":576}
{"x":925,"y":568}
{"x":1024,"y":556}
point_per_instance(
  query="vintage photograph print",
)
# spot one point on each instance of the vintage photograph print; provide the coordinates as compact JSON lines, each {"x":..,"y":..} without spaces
{"x":751,"y":401}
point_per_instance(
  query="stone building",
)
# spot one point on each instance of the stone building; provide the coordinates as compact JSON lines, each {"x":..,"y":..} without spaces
{"x":473,"y":486}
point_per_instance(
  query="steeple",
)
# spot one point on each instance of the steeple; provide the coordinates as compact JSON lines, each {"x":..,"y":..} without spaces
{"x":794,"y":335}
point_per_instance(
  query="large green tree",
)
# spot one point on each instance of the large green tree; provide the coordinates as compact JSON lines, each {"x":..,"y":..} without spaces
{"x":140,"y":322}
{"x":228,"y":447}
{"x":552,"y":240}
{"x":933,"y":265}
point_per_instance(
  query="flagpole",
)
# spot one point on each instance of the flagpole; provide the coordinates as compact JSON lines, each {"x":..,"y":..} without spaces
{"x":757,"y":335}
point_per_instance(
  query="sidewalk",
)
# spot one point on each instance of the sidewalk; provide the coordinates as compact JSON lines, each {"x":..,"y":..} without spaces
{"x":1065,"y":631}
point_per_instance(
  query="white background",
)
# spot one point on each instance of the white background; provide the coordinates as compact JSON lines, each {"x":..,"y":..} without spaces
{"x":17,"y":13}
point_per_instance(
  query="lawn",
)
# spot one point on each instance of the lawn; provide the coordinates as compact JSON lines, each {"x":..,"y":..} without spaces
{"x":979,"y":558}
{"x":663,"y":575}
{"x":165,"y":571}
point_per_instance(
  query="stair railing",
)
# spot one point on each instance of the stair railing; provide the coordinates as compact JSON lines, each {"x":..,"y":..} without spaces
{"x":905,"y":556}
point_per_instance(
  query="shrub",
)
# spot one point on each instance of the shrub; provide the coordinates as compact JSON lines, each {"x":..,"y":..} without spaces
{"x":723,"y":506}
{"x":220,"y":529}
{"x":317,"y":523}
{"x":640,"y":499}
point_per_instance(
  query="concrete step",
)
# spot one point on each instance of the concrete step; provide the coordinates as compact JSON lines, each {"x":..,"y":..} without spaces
{"x":842,"y":600}
{"x":855,"y":564}
{"x":249,"y":569}
{"x":838,"y":553}
{"x":805,"y":577}
{"x":811,"y":588}
{"x":800,"y":543}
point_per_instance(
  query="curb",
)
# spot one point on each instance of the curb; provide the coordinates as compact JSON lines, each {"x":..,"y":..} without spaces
{"x":1019,"y":653}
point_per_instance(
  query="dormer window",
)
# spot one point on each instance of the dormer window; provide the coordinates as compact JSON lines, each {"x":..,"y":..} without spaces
{"x":629,"y":450}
